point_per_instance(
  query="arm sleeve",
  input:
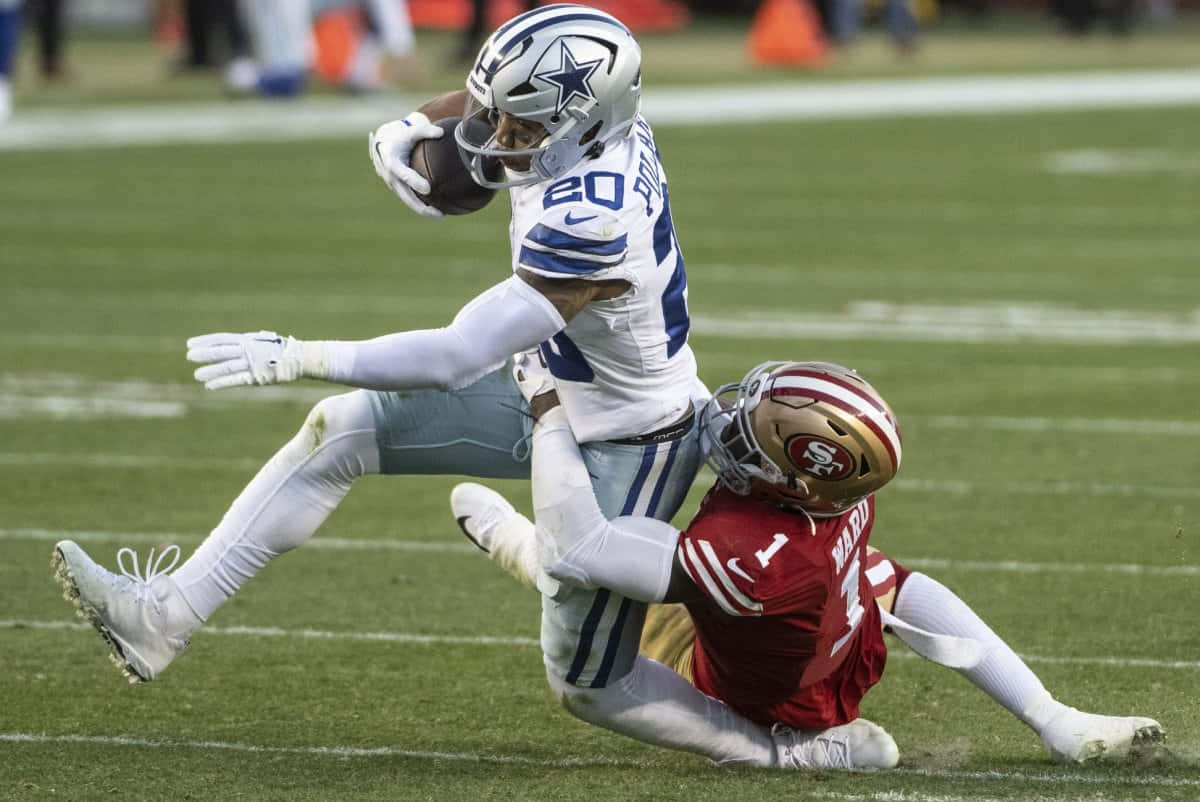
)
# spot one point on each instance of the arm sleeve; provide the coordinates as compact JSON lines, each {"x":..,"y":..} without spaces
{"x":508,"y":318}
{"x":579,"y":546}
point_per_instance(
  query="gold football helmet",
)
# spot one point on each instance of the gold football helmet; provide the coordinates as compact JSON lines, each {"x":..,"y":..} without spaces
{"x":812,"y":435}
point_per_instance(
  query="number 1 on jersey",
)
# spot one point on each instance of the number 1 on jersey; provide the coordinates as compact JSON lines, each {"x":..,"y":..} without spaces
{"x":764,"y":555}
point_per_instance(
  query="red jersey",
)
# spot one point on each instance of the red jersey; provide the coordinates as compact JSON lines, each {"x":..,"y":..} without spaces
{"x":789,"y":630}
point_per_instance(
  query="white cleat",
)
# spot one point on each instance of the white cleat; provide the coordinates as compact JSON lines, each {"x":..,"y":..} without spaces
{"x":479,"y":510}
{"x":861,"y":744}
{"x":1073,"y":736}
{"x":144,"y":619}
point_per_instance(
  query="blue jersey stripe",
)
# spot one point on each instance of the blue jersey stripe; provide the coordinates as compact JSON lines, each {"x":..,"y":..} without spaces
{"x":614,"y":644}
{"x":552,"y":262}
{"x":587,"y":634}
{"x":563,"y":241}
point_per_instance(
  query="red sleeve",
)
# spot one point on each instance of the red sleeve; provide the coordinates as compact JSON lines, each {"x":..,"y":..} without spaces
{"x":752,"y":565}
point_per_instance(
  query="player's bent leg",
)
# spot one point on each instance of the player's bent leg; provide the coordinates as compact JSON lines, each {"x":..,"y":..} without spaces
{"x":148,"y":618}
{"x":1069,"y":735}
{"x":883,"y":574}
{"x":591,"y":637}
{"x":507,"y":537}
{"x":669,"y":637}
{"x":653,"y":704}
{"x":589,"y":643}
{"x":649,"y":480}
{"x":480,"y":430}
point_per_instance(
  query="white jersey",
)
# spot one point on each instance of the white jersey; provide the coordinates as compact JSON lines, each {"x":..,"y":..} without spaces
{"x":623,"y":366}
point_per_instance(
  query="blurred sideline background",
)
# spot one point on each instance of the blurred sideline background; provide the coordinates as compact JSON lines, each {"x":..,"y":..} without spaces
{"x":104,"y":51}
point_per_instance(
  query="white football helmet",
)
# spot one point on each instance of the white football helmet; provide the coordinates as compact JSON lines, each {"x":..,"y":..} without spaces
{"x":573,"y":69}
{"x":812,"y":435}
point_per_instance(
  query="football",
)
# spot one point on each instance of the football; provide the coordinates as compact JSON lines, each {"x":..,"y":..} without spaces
{"x":451,"y":188}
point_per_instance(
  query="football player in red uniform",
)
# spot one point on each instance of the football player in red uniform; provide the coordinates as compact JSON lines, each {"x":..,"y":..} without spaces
{"x":783,"y":602}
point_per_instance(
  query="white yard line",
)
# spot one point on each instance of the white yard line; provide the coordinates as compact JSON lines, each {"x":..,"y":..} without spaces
{"x":1066,"y":778}
{"x":26,"y":459}
{"x":1139,"y":428}
{"x":319,"y":542}
{"x":458,"y":547}
{"x":89,"y":395}
{"x":1059,"y":488}
{"x":866,"y":320}
{"x":313,"y":634}
{"x":1094,"y":161}
{"x":316,"y":118}
{"x":960,"y":324}
{"x":530,"y":642}
{"x":82,"y":407}
{"x":328,"y":751}
{"x":953,"y":487}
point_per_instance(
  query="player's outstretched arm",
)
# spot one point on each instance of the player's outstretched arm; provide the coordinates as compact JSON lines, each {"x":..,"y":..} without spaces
{"x":505,"y":319}
{"x":633,"y":556}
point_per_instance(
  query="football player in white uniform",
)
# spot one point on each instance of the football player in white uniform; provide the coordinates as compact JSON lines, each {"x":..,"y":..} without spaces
{"x":597,"y":280}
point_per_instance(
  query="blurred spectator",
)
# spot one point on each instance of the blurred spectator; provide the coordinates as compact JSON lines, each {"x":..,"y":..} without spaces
{"x":10,"y":35}
{"x":203,"y":19}
{"x":47,"y":20}
{"x":1079,"y":16}
{"x":360,"y":42}
{"x":472,"y":38}
{"x":280,"y":32}
{"x":901,"y":23}
{"x":362,"y":34}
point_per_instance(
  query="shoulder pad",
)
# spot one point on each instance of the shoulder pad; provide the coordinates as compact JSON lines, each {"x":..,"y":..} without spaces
{"x":574,"y":241}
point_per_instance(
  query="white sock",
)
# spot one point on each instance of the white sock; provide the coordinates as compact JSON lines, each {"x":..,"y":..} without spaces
{"x":285,"y":503}
{"x":514,"y":548}
{"x":655,"y":705}
{"x":1002,"y":675}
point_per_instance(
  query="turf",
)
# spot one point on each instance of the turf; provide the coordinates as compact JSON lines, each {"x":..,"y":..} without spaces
{"x":110,"y":260}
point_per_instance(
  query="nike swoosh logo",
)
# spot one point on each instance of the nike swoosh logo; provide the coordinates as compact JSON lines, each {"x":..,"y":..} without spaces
{"x":569,"y":220}
{"x":462,"y":524}
{"x":733,"y":566}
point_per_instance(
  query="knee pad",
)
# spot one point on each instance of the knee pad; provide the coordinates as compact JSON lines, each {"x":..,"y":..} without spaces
{"x":339,"y":434}
{"x":587,"y":704}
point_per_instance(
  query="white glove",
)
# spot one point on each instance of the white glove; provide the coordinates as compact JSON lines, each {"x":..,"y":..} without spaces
{"x":234,"y":360}
{"x":532,"y":375}
{"x":391,"y":147}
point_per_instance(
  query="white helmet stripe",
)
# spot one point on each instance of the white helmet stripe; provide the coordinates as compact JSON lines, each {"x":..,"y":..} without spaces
{"x":552,"y":15}
{"x":855,"y":402}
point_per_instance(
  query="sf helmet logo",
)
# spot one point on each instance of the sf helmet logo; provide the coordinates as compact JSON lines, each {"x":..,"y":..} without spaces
{"x":820,"y":458}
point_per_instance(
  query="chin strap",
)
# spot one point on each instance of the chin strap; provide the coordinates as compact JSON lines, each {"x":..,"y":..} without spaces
{"x":945,"y":650}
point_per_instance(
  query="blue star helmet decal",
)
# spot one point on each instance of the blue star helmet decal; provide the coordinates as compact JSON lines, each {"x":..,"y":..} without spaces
{"x":571,"y":78}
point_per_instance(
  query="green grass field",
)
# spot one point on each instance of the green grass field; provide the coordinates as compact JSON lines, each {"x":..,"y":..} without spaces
{"x":1035,"y":331}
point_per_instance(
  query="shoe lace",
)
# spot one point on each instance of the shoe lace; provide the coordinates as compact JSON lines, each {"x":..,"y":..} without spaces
{"x":812,"y":750}
{"x":141,"y":582}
